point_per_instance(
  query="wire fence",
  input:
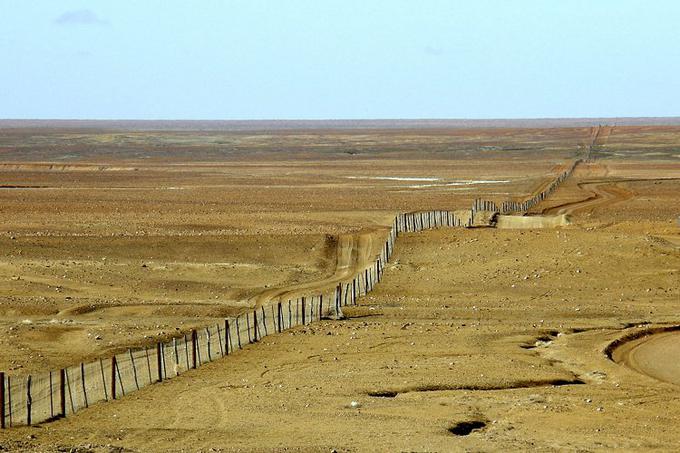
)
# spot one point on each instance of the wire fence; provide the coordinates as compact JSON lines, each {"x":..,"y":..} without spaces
{"x":41,"y":397}
{"x":509,"y":206}
{"x":37,"y":398}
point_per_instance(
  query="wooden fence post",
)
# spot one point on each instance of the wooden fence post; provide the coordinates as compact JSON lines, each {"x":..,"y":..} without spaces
{"x":365,"y":292}
{"x":159,"y":360}
{"x":238,"y":333}
{"x":113,"y":384}
{"x":227,"y":336}
{"x":264,"y":322}
{"x":254,"y":325}
{"x":174,"y":348}
{"x":52,"y":396}
{"x":219,"y":339}
{"x":82,"y":381}
{"x":2,"y":400}
{"x":303,"y":311}
{"x":275,"y":319}
{"x":207,"y":343}
{"x":9,"y":400}
{"x":29,"y":400}
{"x":194,"y":350}
{"x":250,"y":338}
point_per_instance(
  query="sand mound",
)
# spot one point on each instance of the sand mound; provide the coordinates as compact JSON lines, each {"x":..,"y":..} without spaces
{"x":531,"y":222}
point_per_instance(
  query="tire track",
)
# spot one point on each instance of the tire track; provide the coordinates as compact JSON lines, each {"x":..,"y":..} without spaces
{"x":600,"y":194}
{"x":353,"y":253}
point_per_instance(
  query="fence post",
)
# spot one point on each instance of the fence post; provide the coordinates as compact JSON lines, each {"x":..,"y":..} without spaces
{"x":320,"y":305}
{"x":193,"y":348}
{"x":250,"y":338}
{"x":174,"y":348}
{"x":207,"y":342}
{"x":280,"y":317}
{"x":264,"y":322}
{"x":113,"y":385}
{"x":219,"y":339}
{"x":254,"y":325}
{"x":227,"y":337}
{"x":82,"y":380}
{"x":52,"y":396}
{"x":311,"y":309}
{"x":159,"y":361}
{"x":303,"y":311}
{"x":238,"y":333}
{"x":275,"y":319}
{"x":9,"y":400}
{"x":29,"y":400}
{"x":2,"y":400}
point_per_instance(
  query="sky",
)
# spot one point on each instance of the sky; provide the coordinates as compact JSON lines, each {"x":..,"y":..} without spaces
{"x":345,"y":59}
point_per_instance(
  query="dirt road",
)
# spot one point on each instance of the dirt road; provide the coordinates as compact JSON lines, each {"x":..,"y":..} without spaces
{"x":354,"y":252}
{"x":602,"y":193}
{"x":655,"y":355}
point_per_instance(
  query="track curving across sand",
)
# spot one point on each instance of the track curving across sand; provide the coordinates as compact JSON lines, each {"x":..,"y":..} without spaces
{"x":602,"y":193}
{"x":653,"y":355}
{"x":354,"y":252}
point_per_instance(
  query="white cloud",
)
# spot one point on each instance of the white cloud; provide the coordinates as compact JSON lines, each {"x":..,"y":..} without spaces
{"x":80,"y":17}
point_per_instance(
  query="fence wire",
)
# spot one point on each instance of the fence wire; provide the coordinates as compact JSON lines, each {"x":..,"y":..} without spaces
{"x":41,"y":397}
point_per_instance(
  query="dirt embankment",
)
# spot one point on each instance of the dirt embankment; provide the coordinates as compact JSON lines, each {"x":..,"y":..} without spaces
{"x":531,"y":222}
{"x":653,"y":354}
{"x":354,"y":252}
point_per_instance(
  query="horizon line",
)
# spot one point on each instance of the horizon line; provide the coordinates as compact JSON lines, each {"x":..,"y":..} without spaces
{"x":339,"y":123}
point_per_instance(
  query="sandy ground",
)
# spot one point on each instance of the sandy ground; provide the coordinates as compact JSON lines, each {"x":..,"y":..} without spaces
{"x":513,"y":341}
{"x":112,"y":240}
{"x":476,"y":340}
{"x":655,"y":355}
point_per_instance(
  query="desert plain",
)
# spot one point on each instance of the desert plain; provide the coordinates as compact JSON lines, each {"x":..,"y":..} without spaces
{"x":549,"y":332}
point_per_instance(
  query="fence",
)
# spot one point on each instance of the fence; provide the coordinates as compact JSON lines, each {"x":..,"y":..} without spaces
{"x":509,"y":206}
{"x":46,"y":396}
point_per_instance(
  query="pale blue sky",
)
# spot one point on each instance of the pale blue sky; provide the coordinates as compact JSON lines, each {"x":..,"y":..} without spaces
{"x":282,"y":59}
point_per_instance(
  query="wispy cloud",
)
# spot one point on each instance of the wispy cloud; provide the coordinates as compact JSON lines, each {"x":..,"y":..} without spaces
{"x":80,"y":17}
{"x":434,"y":50}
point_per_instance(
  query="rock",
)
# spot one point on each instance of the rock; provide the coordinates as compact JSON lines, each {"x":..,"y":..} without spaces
{"x":355,"y":404}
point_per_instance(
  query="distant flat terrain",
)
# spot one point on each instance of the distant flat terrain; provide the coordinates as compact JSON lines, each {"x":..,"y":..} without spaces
{"x":253,"y":125}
